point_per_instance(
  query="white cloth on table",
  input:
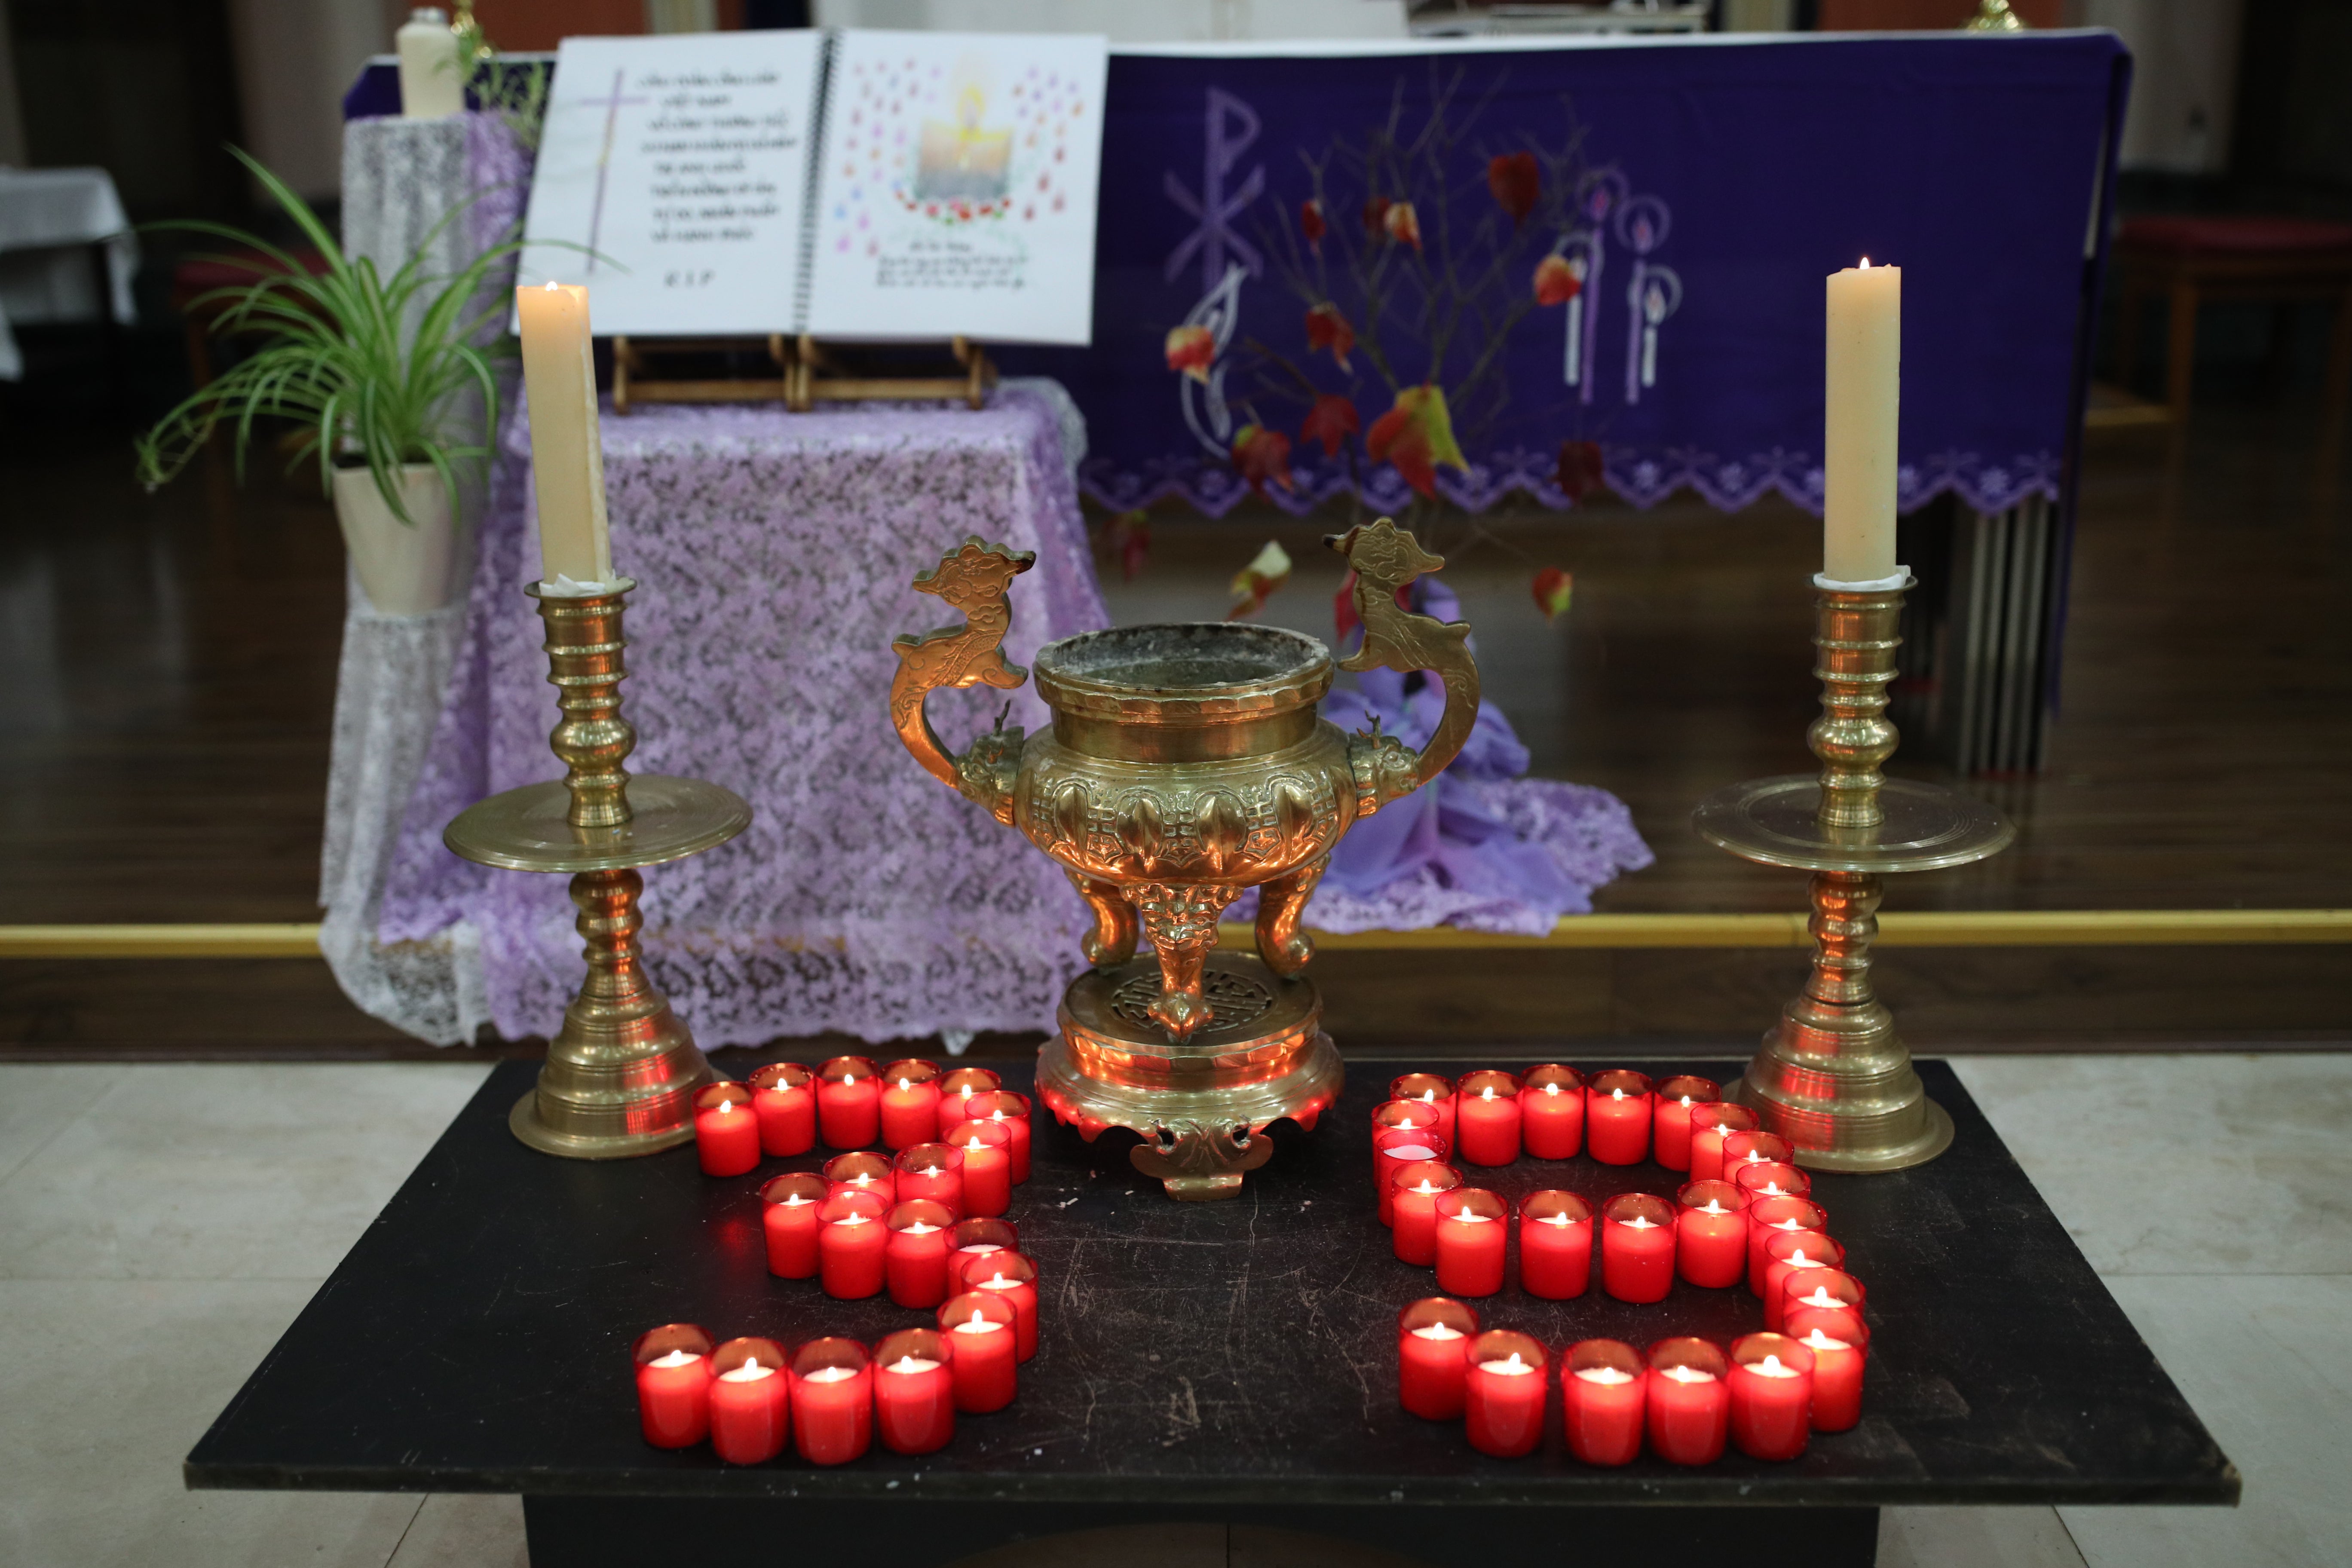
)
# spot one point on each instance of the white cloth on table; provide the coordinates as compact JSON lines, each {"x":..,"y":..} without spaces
{"x":48,"y":220}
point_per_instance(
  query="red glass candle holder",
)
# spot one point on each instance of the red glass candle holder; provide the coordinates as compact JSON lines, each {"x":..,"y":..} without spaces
{"x":909,"y":1108}
{"x":851,"y":1245}
{"x":1551,"y":1111}
{"x":1505,"y":1393}
{"x":1823,"y":1289}
{"x":1617,"y":1117}
{"x":1840,"y":1346}
{"x":1391,"y":1113}
{"x":1391,"y":1151}
{"x":932,"y":1171}
{"x":1687,"y":1405}
{"x":1010,"y":1111}
{"x":1771,"y":1395}
{"x":1430,"y":1089}
{"x":784,"y":1097}
{"x":1770,"y":1179}
{"x":673,"y":1365}
{"x":1750,"y":1147}
{"x":832,"y":1401}
{"x":751,"y":1402}
{"x":1555,"y":1244}
{"x":1471,"y":1237}
{"x":1433,"y":1339}
{"x":726,"y":1132}
{"x":914,"y":1391}
{"x":1768,"y":1217}
{"x":1793,"y":1252}
{"x":1711,"y":1125}
{"x":956,"y":1085}
{"x":1670,"y":1129}
{"x":1011,"y":1275}
{"x":1711,"y":1233}
{"x":788,"y":1208}
{"x":1486,"y":1118}
{"x":915,"y":1256}
{"x":1637,"y":1247}
{"x":1414,"y":1191}
{"x":1602,"y":1384}
{"x":982,"y":1325}
{"x":849,"y":1103}
{"x":862,"y":1171}
{"x":987,"y":1149}
{"x":985,"y":1232}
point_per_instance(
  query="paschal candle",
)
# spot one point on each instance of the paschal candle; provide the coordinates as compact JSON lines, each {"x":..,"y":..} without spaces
{"x":979,"y":1323}
{"x":1433,"y":1339}
{"x":1391,"y":1151}
{"x":849,"y":1103}
{"x":1010,"y":1111}
{"x":1711,"y":1233}
{"x":1551,"y":1112}
{"x":862,"y":1171}
{"x":915,"y":1257}
{"x":1771,"y":1395}
{"x":788,"y":1207}
{"x":784,"y":1097}
{"x":1432,"y":1088}
{"x":914,"y":1392}
{"x":850,"y":1245}
{"x":726,"y":1132}
{"x":1413,"y":1192}
{"x":750,"y":1402}
{"x":1470,"y":1242}
{"x":911,"y":1103}
{"x":1862,"y":387}
{"x":1711,"y":1125}
{"x":1504,"y":1393}
{"x":566,"y":444}
{"x":957,"y":1086}
{"x":932,"y":1171}
{"x":1487,"y":1119}
{"x":1670,"y":1129}
{"x":832,"y":1401}
{"x":1792,"y":1253}
{"x":1555,"y":1244}
{"x":1768,"y":1217}
{"x":672,"y":1365}
{"x":1617,"y":1117}
{"x":1840,"y":1345}
{"x":1637,"y":1247}
{"x":987,"y":1166}
{"x":1012,"y":1275}
{"x":1688,"y":1406}
{"x":1600,"y":1391}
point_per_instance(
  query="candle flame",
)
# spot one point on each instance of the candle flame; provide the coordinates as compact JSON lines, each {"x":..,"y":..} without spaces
{"x":553,"y":287}
{"x":1690,"y":1374}
{"x":750,"y":1363}
{"x":977,"y":1142}
{"x":905,"y":1364}
{"x":997,"y":1281}
{"x":676,"y":1358}
{"x":1714,"y":1205}
{"x":1516,"y":1360}
{"x":1487,"y":1092}
{"x":796,"y":1200}
{"x":1865,"y":264}
{"x":1639,"y":1222}
{"x":1425,"y":1188}
{"x":1819,"y":1340}
{"x":978,"y":1316}
{"x":1819,"y":1298}
{"x":1771,"y":1367}
{"x":906,"y":1083}
{"x":932,"y":1171}
{"x":1686,"y":1103}
{"x":1429,"y":1097}
{"x":1553,"y":1089}
{"x":1616,"y":1094}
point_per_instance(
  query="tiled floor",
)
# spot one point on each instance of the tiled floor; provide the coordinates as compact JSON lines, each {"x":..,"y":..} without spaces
{"x":161,"y":1225}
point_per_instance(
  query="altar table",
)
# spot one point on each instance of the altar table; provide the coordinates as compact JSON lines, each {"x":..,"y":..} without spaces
{"x":1225,"y":1361}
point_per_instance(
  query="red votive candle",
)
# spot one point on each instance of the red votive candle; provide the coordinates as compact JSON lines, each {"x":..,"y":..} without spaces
{"x":1413,"y":1192}
{"x":984,"y":1233}
{"x":784,"y":1097}
{"x":1012,"y":1275}
{"x":1670,"y":1129}
{"x":1840,"y":1344}
{"x":1601,"y":1385}
{"x":932,"y":1171}
{"x":1753,"y":1147}
{"x":911,"y":1103}
{"x":1429,"y":1089}
{"x":1504,"y":1394}
{"x":1768,"y":1217}
{"x":1010,"y":1111}
{"x":832,"y":1401}
{"x":915,"y":1256}
{"x":1688,"y":1408}
{"x":1637,"y":1247}
{"x":1770,"y":1179}
{"x":750,"y":1409}
{"x":1433,"y":1339}
{"x":726,"y":1132}
{"x":1551,"y":1112}
{"x":1394,"y":1113}
{"x":673,"y":1385}
{"x":849,"y":1103}
{"x":1709,"y":1126}
{"x":1617,"y":1117}
{"x":788,"y":1207}
{"x":958,"y":1084}
{"x":1486,"y":1118}
{"x":1771,"y":1395}
{"x":1391,"y":1151}
{"x":987,"y":1166}
{"x":980,"y":1325}
{"x":1823,"y":1289}
{"x":851,"y":1245}
{"x":1471,"y":1236}
{"x":1711,"y":1233}
{"x":914,"y":1391}
{"x":1789,"y":1253}
{"x":862,"y":1171}
{"x":1555,"y":1244}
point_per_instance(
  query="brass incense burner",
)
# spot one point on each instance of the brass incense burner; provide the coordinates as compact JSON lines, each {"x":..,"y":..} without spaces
{"x":1186,"y":763}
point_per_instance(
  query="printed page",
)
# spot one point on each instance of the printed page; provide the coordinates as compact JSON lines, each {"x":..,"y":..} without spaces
{"x":679,"y":163}
{"x":957,"y":187}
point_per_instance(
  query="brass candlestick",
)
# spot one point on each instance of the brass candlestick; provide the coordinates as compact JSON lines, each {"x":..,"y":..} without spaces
{"x":1833,"y":1076}
{"x":621,"y":1071}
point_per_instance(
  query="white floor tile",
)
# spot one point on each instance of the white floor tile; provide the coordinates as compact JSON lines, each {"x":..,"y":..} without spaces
{"x":1974,"y":1538}
{"x":39,"y":1099}
{"x":475,"y":1530}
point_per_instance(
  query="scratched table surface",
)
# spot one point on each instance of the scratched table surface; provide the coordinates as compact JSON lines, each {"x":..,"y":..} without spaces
{"x":477,"y":1339}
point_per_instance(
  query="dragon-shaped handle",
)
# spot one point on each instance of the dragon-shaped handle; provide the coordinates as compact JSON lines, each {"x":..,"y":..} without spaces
{"x":1386,"y":558}
{"x":972,"y":578}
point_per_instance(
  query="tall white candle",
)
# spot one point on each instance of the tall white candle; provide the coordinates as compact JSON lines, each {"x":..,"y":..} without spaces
{"x":1864,"y":385}
{"x":567,"y":454}
{"x":432,"y":84}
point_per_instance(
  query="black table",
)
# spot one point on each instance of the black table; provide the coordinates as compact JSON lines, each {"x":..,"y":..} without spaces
{"x":1225,"y":1361}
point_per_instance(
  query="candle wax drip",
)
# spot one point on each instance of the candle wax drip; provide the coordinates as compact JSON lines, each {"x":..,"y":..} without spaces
{"x":1437,"y":1332}
{"x":675,"y":1358}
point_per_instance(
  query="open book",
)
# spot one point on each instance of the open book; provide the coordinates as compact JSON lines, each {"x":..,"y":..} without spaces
{"x":853,"y":184}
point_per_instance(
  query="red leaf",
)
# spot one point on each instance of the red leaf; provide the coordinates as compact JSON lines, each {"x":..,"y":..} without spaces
{"x":1260,"y":453}
{"x":1556,"y":281}
{"x":1517,"y":184}
{"x":1331,"y":421}
{"x":1327,"y":328}
{"x":1552,"y":588}
{"x":1191,"y":350}
{"x":1311,"y":220}
{"x":1376,"y":217}
{"x":1343,"y":608}
{"x":1403,"y":224}
{"x":1579,"y":467}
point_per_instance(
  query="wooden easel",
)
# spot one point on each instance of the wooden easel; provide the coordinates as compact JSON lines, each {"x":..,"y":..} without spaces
{"x":808,"y":373}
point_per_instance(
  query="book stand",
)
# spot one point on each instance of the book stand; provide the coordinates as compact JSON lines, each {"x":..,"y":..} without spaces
{"x":676,"y":370}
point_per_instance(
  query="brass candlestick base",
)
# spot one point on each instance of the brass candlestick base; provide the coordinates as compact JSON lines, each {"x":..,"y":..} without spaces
{"x":1833,"y":1077}
{"x":621,"y":1071}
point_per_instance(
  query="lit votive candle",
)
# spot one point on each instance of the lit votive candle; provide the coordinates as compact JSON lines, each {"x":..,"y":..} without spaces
{"x":726,"y":1132}
{"x":909,"y":1110}
{"x":914,"y":1392}
{"x":1840,"y":1344}
{"x":980,"y":1324}
{"x":851,"y":1245}
{"x":1601,"y":1387}
{"x":750,"y":1402}
{"x":987,"y":1166}
{"x":861,"y":1170}
{"x":1555,"y":1244}
{"x":1753,"y":1147}
{"x":1391,"y":1113}
{"x":673,"y":1365}
{"x":1470,"y":1242}
{"x":1711,"y":1125}
{"x":1637,"y":1247}
{"x":932,"y":1171}
{"x":1821,"y":1290}
{"x":1429,"y":1089}
{"x":959,"y":1085}
{"x":832,"y":1401}
{"x":1791,"y":1253}
{"x":915,"y":1257}
{"x":1012,"y":1275}
{"x":788,"y":1207}
{"x":1551,"y":1111}
{"x":1771,"y":1395}
{"x":1010,"y":1111}
{"x":1711,"y":1233}
{"x":1414,"y":1191}
{"x":1433,"y":1339}
{"x":1394,"y":1149}
{"x":1617,"y":1117}
{"x":1670,"y":1129}
{"x":849,"y":1103}
{"x":1771,"y":1179}
{"x":984,"y":1233}
{"x":1768,"y":1217}
{"x":784,"y":1097}
{"x":1688,"y":1406}
{"x":1504,"y":1393}
{"x":1486,"y":1118}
